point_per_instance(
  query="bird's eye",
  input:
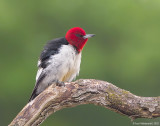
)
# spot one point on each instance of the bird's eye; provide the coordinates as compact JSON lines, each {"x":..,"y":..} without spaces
{"x":79,"y":35}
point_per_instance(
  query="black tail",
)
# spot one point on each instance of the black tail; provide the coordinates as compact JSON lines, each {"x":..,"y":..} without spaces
{"x":34,"y":94}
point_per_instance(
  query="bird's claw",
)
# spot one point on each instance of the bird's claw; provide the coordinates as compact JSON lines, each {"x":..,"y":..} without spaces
{"x":60,"y":83}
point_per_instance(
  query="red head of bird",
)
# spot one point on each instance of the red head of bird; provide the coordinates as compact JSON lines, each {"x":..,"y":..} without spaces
{"x":77,"y":37}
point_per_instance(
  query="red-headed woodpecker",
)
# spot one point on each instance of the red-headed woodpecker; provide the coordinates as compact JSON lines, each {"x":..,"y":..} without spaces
{"x":60,"y":60}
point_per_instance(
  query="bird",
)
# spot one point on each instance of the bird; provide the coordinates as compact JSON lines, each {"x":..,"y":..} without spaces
{"x":60,"y":60}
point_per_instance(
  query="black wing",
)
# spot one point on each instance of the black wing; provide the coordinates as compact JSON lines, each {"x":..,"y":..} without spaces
{"x":51,"y":48}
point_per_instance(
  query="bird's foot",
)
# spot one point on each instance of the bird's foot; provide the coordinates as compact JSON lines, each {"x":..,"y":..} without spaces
{"x":60,"y":83}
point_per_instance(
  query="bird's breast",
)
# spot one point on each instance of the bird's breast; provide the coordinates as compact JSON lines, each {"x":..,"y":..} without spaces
{"x":72,"y":64}
{"x":66,"y":64}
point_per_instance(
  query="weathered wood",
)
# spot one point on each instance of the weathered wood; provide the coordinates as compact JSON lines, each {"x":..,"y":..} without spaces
{"x":87,"y":91}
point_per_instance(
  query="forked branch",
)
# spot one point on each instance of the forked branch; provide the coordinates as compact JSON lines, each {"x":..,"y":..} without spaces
{"x":87,"y":91}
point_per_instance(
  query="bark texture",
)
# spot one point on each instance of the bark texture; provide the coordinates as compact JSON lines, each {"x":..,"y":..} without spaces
{"x":86,"y":91}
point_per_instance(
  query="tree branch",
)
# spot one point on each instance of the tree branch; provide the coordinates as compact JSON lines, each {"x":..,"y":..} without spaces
{"x":87,"y":91}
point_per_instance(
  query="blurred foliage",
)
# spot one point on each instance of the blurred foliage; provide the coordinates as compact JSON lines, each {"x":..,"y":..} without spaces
{"x":125,"y":51}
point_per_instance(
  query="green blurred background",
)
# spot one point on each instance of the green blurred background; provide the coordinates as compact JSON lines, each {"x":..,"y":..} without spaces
{"x":125,"y":52}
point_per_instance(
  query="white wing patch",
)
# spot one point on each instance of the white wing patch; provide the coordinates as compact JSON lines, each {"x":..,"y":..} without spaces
{"x":39,"y":73}
{"x":39,"y":63}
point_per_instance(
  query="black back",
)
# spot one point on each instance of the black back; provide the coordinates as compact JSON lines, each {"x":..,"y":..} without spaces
{"x":51,"y":48}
